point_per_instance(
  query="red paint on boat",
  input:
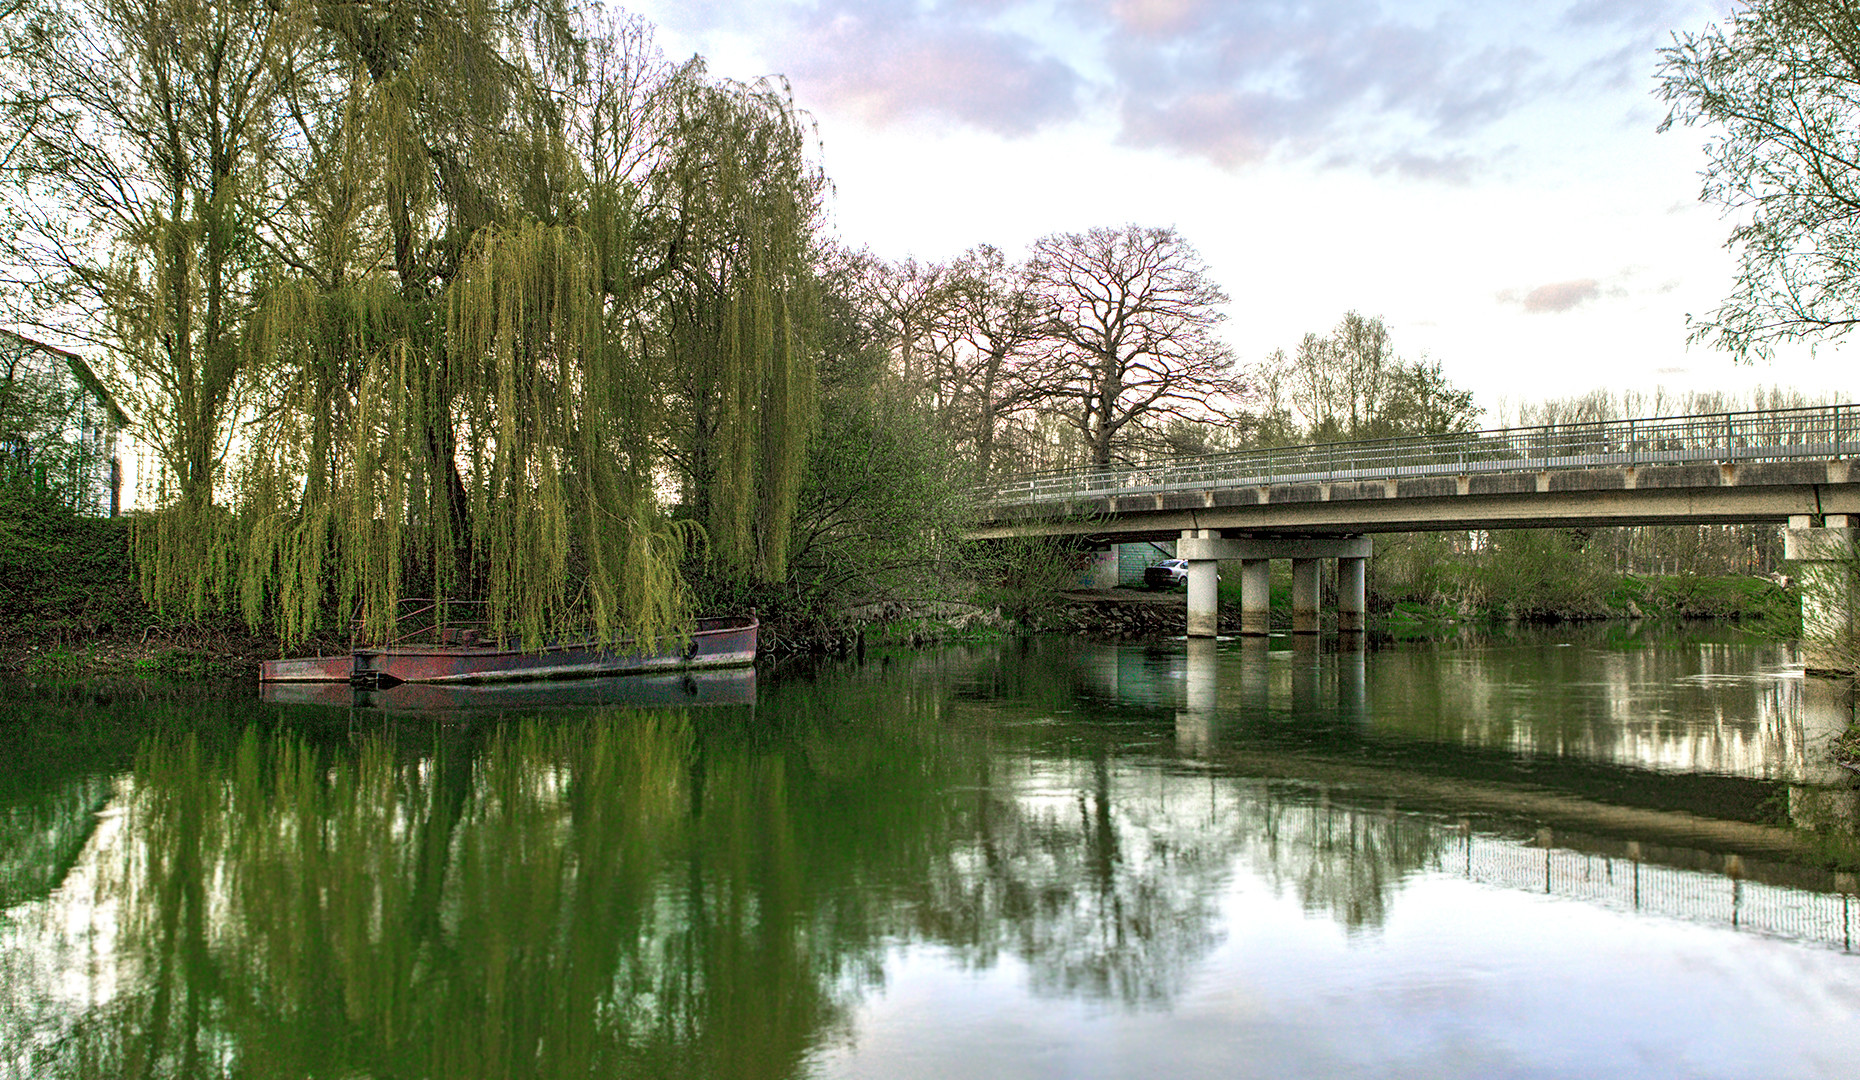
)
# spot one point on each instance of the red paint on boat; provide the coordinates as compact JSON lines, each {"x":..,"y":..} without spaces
{"x":712,"y":643}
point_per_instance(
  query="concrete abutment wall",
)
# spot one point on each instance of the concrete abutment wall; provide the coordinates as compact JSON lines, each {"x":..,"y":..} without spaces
{"x":1822,"y":547}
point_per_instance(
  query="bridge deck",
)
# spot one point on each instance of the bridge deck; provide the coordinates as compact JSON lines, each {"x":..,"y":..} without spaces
{"x":1735,"y":467}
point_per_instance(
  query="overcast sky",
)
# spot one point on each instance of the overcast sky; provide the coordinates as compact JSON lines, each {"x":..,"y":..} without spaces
{"x":1486,"y":177}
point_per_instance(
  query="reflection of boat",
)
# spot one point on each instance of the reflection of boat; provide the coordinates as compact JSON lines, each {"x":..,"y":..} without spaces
{"x":714,"y":686}
{"x":712,"y":643}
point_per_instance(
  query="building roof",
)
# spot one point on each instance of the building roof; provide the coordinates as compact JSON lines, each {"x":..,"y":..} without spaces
{"x":80,"y":371}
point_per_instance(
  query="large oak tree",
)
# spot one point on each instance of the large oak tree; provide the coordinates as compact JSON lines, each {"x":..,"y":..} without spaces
{"x":1134,"y":312}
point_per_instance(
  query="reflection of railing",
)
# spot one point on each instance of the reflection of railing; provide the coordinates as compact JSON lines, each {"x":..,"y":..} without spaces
{"x":1773,"y":435}
{"x":1689,"y":895}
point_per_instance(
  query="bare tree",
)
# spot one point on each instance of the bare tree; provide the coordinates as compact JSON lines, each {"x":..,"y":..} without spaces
{"x":1001,"y":365}
{"x":1350,"y":384}
{"x":144,"y":159}
{"x":1132,"y":312}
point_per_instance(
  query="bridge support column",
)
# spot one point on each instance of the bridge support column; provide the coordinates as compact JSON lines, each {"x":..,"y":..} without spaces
{"x":1825,"y":559}
{"x":1352,"y":594}
{"x":1204,"y":599}
{"x":1255,"y":597}
{"x":1305,"y":596}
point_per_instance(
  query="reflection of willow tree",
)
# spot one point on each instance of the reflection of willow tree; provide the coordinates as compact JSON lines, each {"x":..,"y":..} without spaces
{"x":554,"y":908}
{"x":645,"y":893}
{"x":1098,"y":896}
{"x":1341,"y":859}
{"x":42,"y":835}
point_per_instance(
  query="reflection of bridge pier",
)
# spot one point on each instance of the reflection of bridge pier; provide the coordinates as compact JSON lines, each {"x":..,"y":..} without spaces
{"x":1307,"y":675}
{"x":1255,"y":675}
{"x":1819,"y":795}
{"x":1352,"y":679}
{"x":1201,"y":690}
{"x":1205,"y":548}
{"x":1317,"y":682}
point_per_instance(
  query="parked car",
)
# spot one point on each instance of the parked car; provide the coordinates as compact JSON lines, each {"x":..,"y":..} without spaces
{"x":1167,"y":573}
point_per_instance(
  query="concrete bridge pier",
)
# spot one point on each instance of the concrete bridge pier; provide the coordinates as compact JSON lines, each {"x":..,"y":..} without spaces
{"x":1204,"y":583}
{"x":1352,"y":595}
{"x":1204,"y":549}
{"x":1306,"y":587}
{"x":1255,"y":597}
{"x":1824,"y":553}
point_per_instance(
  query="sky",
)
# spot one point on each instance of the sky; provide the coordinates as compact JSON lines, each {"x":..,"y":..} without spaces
{"x":1488,"y":178}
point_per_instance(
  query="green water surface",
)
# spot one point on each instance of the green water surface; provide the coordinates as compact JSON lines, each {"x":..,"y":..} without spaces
{"x":1553,"y":854}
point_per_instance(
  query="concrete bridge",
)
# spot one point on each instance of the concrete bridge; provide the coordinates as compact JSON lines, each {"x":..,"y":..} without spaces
{"x":1790,"y":467}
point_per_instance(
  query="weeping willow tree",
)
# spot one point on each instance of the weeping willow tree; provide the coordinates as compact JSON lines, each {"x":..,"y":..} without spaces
{"x":483,"y":378}
{"x":435,"y":297}
{"x":737,"y":325}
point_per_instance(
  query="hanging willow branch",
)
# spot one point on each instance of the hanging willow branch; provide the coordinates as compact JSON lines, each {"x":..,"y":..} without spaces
{"x":498,"y":337}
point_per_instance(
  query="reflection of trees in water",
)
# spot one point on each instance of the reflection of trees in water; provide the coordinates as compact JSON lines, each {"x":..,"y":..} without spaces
{"x":1344,"y":860}
{"x":563,"y":904}
{"x":42,"y":834}
{"x":656,"y":893}
{"x":1099,"y":894}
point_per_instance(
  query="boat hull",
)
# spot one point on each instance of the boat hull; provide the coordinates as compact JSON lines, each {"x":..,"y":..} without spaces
{"x":713,"y":643}
{"x":308,"y":669}
{"x":711,"y":686}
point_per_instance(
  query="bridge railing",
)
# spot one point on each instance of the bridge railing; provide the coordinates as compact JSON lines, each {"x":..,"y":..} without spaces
{"x":1769,"y":435}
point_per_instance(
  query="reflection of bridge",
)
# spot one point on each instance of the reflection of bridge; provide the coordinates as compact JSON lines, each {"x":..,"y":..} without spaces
{"x":1726,"y":899}
{"x":1666,"y":823}
{"x":1585,"y":767}
{"x":1308,"y":503}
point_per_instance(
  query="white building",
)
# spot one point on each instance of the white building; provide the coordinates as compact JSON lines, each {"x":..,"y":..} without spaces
{"x":59,"y":426}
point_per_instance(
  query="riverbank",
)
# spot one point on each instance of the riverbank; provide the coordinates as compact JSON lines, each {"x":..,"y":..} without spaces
{"x":141,"y":645}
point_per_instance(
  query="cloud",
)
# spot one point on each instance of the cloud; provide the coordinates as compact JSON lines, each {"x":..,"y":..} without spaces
{"x":1342,"y":81}
{"x":1556,"y":297}
{"x":892,"y":64}
{"x":898,"y":61}
{"x":1448,"y":168}
{"x":1396,"y":87}
{"x":1637,"y":29}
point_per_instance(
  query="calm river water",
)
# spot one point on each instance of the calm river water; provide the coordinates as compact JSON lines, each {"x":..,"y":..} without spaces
{"x":1582,"y":854}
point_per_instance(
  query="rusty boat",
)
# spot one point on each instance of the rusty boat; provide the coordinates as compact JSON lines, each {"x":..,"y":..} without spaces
{"x":458,"y":652}
{"x":716,"y":686}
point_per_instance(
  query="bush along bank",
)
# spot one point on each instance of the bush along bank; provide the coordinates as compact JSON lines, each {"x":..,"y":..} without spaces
{"x":70,"y":605}
{"x":1760,"y":605}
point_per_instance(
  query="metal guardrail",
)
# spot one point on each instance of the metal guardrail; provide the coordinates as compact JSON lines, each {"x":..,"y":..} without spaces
{"x":1827,"y":431}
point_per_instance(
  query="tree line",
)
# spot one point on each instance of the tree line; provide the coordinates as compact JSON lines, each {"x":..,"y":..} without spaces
{"x":493,"y":300}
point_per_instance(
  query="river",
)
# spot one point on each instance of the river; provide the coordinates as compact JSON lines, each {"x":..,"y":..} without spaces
{"x":1595,"y":852}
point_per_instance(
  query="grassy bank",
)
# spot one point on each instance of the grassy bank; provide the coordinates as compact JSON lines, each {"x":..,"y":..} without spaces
{"x":1757,"y":605}
{"x":70,"y":605}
